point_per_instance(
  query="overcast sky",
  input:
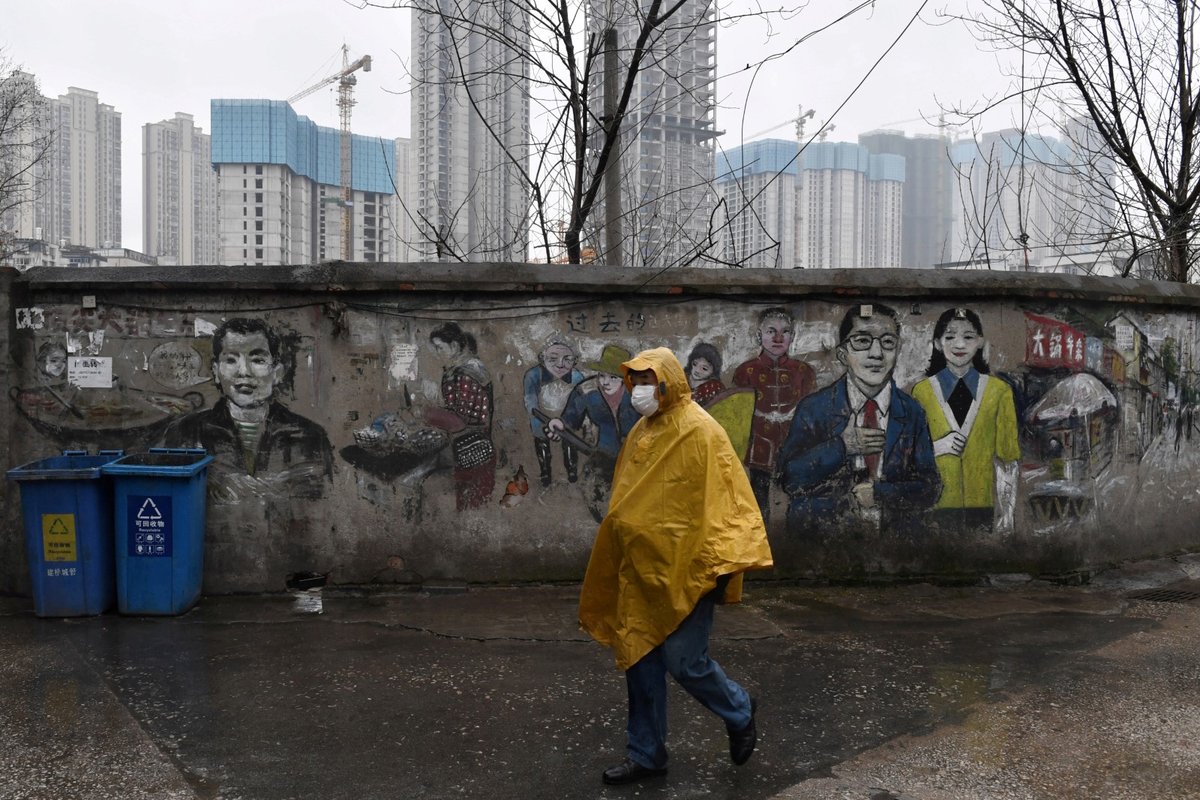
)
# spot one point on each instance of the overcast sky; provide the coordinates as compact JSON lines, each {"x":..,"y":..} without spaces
{"x":152,"y":58}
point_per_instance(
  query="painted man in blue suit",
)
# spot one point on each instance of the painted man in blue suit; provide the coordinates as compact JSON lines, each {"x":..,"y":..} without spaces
{"x":859,"y":451}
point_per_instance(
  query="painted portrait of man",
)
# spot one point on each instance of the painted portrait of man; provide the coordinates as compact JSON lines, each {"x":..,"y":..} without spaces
{"x":859,"y":450}
{"x":259,"y":446}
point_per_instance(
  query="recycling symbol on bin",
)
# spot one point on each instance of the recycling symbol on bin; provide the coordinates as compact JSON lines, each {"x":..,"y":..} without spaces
{"x":149,"y":510}
{"x":149,"y":542}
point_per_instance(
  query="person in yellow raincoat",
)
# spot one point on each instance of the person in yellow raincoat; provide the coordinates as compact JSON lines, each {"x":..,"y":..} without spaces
{"x":682,"y":527}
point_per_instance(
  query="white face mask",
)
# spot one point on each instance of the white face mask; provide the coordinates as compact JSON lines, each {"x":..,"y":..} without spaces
{"x":643,"y":400}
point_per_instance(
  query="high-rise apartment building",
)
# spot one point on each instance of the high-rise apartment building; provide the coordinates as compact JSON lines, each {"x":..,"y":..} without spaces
{"x":929,"y":197}
{"x":668,"y":135}
{"x":403,"y":224}
{"x":179,"y":193}
{"x":279,"y":187}
{"x":1034,"y":202}
{"x":758,"y":183}
{"x":25,"y":156}
{"x":74,"y":197}
{"x":850,"y":207}
{"x":884,"y":234}
{"x":471,"y":139}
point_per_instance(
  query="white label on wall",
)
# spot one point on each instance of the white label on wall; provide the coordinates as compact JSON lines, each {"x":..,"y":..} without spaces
{"x":1124,"y":336}
{"x":90,"y":372}
{"x":402,"y":364}
{"x":203,"y":327}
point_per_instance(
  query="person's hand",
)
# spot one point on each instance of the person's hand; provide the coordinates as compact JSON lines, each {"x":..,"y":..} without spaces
{"x":951,"y":444}
{"x":553,"y":427}
{"x":864,"y":494}
{"x":863,"y":441}
{"x":445,"y":419}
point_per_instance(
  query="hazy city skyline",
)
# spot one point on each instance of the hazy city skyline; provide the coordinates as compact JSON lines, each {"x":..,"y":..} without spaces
{"x":151,"y":60}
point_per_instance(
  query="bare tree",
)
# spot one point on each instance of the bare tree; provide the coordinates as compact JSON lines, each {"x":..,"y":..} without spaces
{"x":601,"y":79}
{"x":1121,"y":74}
{"x":25,"y":143}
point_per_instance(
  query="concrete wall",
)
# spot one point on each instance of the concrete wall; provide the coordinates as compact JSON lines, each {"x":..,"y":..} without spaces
{"x":399,"y":445}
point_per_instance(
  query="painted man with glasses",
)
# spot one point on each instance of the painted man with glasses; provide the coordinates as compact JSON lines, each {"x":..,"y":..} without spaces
{"x":858,"y":452}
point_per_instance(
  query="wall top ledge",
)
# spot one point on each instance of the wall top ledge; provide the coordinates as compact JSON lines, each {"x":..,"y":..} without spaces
{"x":339,"y":277}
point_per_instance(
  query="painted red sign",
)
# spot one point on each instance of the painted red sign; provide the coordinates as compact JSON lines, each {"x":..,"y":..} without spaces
{"x":1053,"y":343}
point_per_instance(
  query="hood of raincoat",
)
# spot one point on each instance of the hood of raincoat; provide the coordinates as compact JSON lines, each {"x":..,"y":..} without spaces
{"x":681,"y":515}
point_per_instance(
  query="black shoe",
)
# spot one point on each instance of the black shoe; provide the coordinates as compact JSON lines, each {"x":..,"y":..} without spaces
{"x":741,"y":743}
{"x":629,"y":771}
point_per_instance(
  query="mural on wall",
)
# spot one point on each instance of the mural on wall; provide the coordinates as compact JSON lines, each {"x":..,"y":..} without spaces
{"x":973,"y":422}
{"x":779,"y":383}
{"x":989,"y":427}
{"x":76,"y":399}
{"x":595,"y":420}
{"x":548,"y":385}
{"x":260,"y":448}
{"x":52,"y":364}
{"x":1070,"y":424}
{"x":50,"y":397}
{"x":703,"y":370}
{"x":732,"y":407}
{"x":466,"y":415}
{"x":516,"y":489}
{"x":455,"y":433}
{"x":858,"y":452}
{"x":1184,"y":424}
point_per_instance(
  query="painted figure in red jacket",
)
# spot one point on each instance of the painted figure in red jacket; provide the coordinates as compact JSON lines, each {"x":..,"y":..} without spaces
{"x":779,"y":383}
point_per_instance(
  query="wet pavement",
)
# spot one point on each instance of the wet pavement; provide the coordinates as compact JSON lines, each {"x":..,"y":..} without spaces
{"x":1016,"y":689}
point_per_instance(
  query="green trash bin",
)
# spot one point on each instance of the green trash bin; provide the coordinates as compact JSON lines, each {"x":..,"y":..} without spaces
{"x":158,"y":512}
{"x":66,"y":507}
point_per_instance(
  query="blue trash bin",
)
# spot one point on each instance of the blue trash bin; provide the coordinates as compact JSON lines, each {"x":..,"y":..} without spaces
{"x":158,"y":521}
{"x":66,"y":506}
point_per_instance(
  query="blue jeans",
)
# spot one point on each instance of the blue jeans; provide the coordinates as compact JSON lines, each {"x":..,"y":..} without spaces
{"x":684,"y":654}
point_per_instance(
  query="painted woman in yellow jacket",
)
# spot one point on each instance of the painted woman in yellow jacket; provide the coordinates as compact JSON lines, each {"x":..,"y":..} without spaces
{"x":973,"y":423}
{"x":682,"y":527}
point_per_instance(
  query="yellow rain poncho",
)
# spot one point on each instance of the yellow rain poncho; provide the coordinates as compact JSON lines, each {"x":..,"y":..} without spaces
{"x":681,"y":515}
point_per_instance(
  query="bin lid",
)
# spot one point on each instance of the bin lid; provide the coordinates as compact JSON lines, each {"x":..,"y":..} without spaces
{"x":162,"y":462}
{"x":69,"y":466}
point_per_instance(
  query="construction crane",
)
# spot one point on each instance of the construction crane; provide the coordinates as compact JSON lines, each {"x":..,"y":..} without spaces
{"x":799,"y":120}
{"x":940,"y":125}
{"x":345,"y":81}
